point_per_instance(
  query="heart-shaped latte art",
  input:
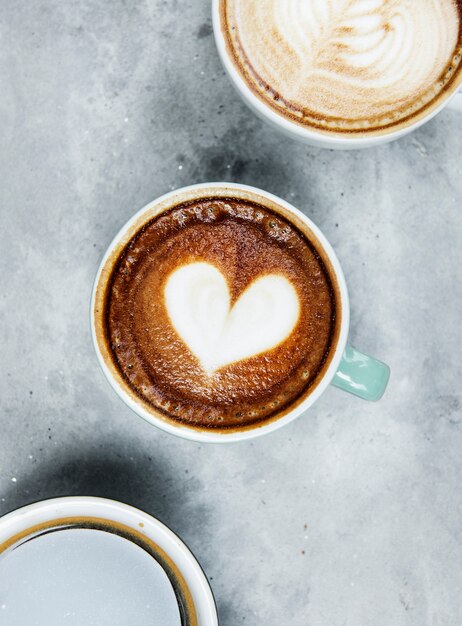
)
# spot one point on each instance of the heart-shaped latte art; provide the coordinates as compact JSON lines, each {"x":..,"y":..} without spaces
{"x":198,"y":303}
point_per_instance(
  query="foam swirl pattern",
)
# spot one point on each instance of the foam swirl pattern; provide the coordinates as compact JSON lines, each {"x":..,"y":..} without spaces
{"x":346,"y":65}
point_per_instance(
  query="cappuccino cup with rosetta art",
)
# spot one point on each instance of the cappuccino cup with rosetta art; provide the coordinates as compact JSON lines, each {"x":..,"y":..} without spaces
{"x":343,"y":73}
{"x":220,"y":312}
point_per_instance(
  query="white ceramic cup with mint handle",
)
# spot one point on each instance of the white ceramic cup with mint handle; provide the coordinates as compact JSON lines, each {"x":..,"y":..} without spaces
{"x":348,"y":368}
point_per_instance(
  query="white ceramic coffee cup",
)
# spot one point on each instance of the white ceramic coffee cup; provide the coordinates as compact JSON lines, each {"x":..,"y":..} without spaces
{"x":19,"y":522}
{"x":348,"y":368}
{"x":311,"y":135}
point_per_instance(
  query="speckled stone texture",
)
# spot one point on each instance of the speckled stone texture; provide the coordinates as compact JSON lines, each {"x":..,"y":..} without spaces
{"x":350,"y":516}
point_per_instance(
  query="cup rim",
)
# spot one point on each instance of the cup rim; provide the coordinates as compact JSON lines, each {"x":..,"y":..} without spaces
{"x":204,"y":436}
{"x":47,"y":510}
{"x":311,"y":135}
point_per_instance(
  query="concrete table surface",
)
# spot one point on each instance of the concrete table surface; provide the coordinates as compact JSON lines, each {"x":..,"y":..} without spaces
{"x":351,"y":515}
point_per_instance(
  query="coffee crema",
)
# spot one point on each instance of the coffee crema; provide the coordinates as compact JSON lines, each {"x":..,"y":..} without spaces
{"x":219,"y":313}
{"x":356,"y":66}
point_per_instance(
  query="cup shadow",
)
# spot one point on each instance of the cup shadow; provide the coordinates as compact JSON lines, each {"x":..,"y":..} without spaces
{"x":144,"y":482}
{"x":148,"y":483}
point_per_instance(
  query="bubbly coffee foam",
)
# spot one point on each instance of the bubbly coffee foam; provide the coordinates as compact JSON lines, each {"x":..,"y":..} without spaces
{"x":346,"y":65}
{"x":220,"y":314}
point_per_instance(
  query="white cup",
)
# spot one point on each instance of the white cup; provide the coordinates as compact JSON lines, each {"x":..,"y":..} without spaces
{"x":311,"y":135}
{"x":348,"y":368}
{"x":36,"y":520}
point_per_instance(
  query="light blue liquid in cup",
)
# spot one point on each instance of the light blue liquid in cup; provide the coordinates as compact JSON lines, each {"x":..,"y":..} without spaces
{"x":84,"y":577}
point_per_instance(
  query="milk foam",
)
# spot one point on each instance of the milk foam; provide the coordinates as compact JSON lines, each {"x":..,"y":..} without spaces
{"x":198,"y":303}
{"x":352,"y":62}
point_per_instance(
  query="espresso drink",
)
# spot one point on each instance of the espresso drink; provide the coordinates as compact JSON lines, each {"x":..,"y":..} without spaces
{"x":219,"y":313}
{"x":346,"y":66}
{"x":86,"y":571}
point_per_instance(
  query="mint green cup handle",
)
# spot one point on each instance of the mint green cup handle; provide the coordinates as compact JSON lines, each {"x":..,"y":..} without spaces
{"x":361,"y":375}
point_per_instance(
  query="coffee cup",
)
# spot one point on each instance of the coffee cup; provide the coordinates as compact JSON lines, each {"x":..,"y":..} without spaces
{"x":348,"y":74}
{"x":82,"y":560}
{"x":176,"y":365}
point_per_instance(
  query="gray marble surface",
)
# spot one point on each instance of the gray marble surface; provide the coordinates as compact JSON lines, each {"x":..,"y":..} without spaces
{"x":352,"y":515}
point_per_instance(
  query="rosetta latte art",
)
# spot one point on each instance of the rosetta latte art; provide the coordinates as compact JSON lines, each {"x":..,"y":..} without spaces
{"x":345,"y":65}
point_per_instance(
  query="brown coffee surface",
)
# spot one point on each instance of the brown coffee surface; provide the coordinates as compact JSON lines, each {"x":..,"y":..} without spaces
{"x":244,"y":241}
{"x":346,"y":66}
